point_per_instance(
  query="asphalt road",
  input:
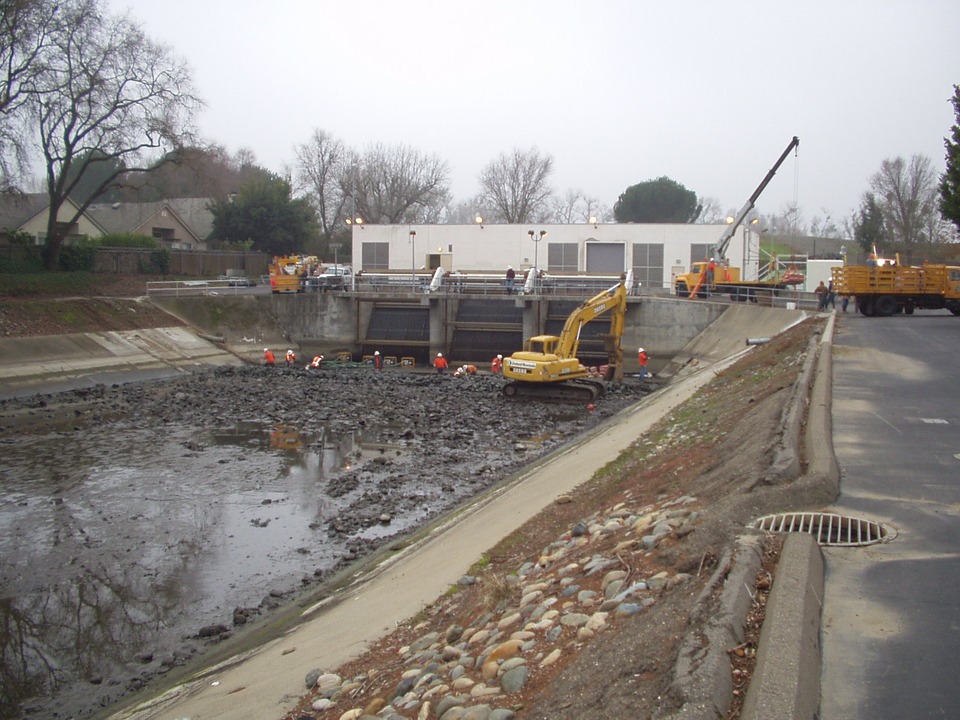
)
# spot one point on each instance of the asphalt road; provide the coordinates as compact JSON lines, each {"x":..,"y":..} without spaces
{"x":891,"y":617}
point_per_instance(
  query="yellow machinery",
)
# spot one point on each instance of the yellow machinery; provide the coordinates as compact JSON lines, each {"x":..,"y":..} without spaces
{"x":888,"y":288}
{"x":726,"y":280}
{"x":548,"y":366}
{"x":288,"y":272}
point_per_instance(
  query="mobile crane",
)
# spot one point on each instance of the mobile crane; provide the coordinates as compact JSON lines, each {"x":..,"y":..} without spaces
{"x":725,"y":278}
{"x":548,"y":367}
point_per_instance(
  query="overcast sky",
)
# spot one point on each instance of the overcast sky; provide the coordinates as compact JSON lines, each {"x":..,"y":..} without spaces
{"x":618,"y":91}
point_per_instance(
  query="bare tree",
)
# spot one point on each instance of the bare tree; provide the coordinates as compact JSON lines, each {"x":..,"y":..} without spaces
{"x":25,"y":27}
{"x":515,"y":186}
{"x":906,"y":193}
{"x":317,"y":170}
{"x":389,"y":185}
{"x":575,"y":206}
{"x":824,"y":227}
{"x":107,"y":96}
{"x":712,"y":211}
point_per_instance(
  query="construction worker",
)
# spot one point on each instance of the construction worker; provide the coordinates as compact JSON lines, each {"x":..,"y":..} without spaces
{"x":440,"y":363}
{"x":643,"y":359}
{"x":711,"y":271}
{"x":496,"y":365}
{"x":268,"y":357}
{"x":291,"y":358}
{"x":465,"y":370}
{"x":377,"y":360}
{"x":316,"y":363}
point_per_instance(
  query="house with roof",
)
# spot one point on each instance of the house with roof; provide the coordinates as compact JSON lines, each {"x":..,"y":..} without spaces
{"x":28,"y":213}
{"x":179,"y":224}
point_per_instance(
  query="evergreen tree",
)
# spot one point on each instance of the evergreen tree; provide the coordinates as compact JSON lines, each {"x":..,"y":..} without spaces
{"x":950,"y":180}
{"x":657,"y":201}
{"x":868,"y":229}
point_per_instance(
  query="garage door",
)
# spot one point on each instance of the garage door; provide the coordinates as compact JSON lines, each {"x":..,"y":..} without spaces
{"x":605,"y":258}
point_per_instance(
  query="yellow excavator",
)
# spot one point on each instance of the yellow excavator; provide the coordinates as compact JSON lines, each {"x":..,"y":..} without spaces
{"x":548,"y":367}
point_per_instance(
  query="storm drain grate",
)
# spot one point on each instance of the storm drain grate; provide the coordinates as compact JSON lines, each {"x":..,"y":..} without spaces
{"x":826,"y":528}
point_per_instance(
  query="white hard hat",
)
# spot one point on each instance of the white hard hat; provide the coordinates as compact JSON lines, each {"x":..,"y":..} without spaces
{"x":376,"y":352}
{"x":640,"y":350}
{"x":439,"y":354}
{"x":509,"y":267}
{"x":499,"y":357}
{"x":289,"y":352}
{"x":266,"y":349}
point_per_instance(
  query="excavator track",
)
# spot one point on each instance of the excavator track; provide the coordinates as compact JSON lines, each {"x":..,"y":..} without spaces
{"x":582,"y":390}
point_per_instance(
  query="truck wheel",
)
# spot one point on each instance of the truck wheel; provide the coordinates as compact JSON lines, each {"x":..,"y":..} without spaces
{"x":955,"y":309}
{"x":865,"y":306}
{"x":885,"y":306}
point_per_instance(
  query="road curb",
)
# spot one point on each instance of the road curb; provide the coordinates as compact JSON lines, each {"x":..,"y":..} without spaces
{"x":786,"y":680}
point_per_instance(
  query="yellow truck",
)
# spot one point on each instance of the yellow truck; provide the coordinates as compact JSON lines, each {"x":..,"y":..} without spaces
{"x":887,"y":289}
{"x":726,"y":281}
{"x":288,"y":273}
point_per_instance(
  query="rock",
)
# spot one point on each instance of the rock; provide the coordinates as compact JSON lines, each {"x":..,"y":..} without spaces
{"x":515,"y":678}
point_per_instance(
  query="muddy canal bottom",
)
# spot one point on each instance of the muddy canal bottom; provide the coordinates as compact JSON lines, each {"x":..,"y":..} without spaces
{"x":127,"y":546}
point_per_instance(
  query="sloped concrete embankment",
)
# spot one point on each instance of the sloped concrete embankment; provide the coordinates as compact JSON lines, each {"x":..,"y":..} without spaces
{"x":55,"y":363}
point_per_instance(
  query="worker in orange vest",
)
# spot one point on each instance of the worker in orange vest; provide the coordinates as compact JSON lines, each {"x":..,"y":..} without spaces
{"x":291,"y":358}
{"x":440,"y":363}
{"x":496,"y":365}
{"x":377,"y":360}
{"x":268,"y":357}
{"x":316,"y":363}
{"x":643,"y":359}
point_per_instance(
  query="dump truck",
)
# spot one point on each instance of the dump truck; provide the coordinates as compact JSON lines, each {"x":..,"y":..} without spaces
{"x":887,"y":288}
{"x":548,"y":366}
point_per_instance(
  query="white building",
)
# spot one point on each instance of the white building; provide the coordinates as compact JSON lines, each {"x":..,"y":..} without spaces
{"x":655,"y":252}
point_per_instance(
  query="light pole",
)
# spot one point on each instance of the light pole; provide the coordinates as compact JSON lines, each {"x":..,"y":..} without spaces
{"x":413,"y":258}
{"x":536,"y":237}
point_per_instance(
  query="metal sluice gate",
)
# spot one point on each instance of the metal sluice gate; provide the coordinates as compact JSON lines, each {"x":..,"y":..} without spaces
{"x":826,"y":528}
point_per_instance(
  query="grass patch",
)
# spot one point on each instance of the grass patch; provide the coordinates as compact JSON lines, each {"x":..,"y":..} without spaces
{"x":47,"y":283}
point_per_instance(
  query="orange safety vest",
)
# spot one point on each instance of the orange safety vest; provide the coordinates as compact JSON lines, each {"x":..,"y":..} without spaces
{"x":496,"y":364}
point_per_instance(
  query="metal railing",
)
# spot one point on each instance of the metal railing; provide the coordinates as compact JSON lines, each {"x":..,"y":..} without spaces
{"x":187,"y":288}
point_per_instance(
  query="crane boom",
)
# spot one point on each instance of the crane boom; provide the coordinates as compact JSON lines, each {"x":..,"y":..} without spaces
{"x":724,"y":241}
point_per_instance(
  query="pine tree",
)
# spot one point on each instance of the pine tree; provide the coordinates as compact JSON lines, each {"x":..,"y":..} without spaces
{"x":950,"y":181}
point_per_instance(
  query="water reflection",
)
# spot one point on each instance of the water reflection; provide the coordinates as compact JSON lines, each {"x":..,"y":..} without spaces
{"x":115,"y":545}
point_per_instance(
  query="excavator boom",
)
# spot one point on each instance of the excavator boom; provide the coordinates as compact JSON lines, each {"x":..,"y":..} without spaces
{"x":548,"y":365}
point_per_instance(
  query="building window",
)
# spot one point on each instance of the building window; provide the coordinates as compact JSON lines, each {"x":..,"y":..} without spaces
{"x":562,"y":257}
{"x":648,"y":264}
{"x":699,"y":252}
{"x":375,"y":256}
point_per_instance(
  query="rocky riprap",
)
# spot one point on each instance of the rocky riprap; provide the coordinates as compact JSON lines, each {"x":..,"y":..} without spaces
{"x":602,"y":569}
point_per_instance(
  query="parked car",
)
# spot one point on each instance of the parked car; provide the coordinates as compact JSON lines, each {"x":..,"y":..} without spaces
{"x":337,"y":277}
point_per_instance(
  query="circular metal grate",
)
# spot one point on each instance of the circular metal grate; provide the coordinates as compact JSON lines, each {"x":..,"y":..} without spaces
{"x":826,"y":528}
